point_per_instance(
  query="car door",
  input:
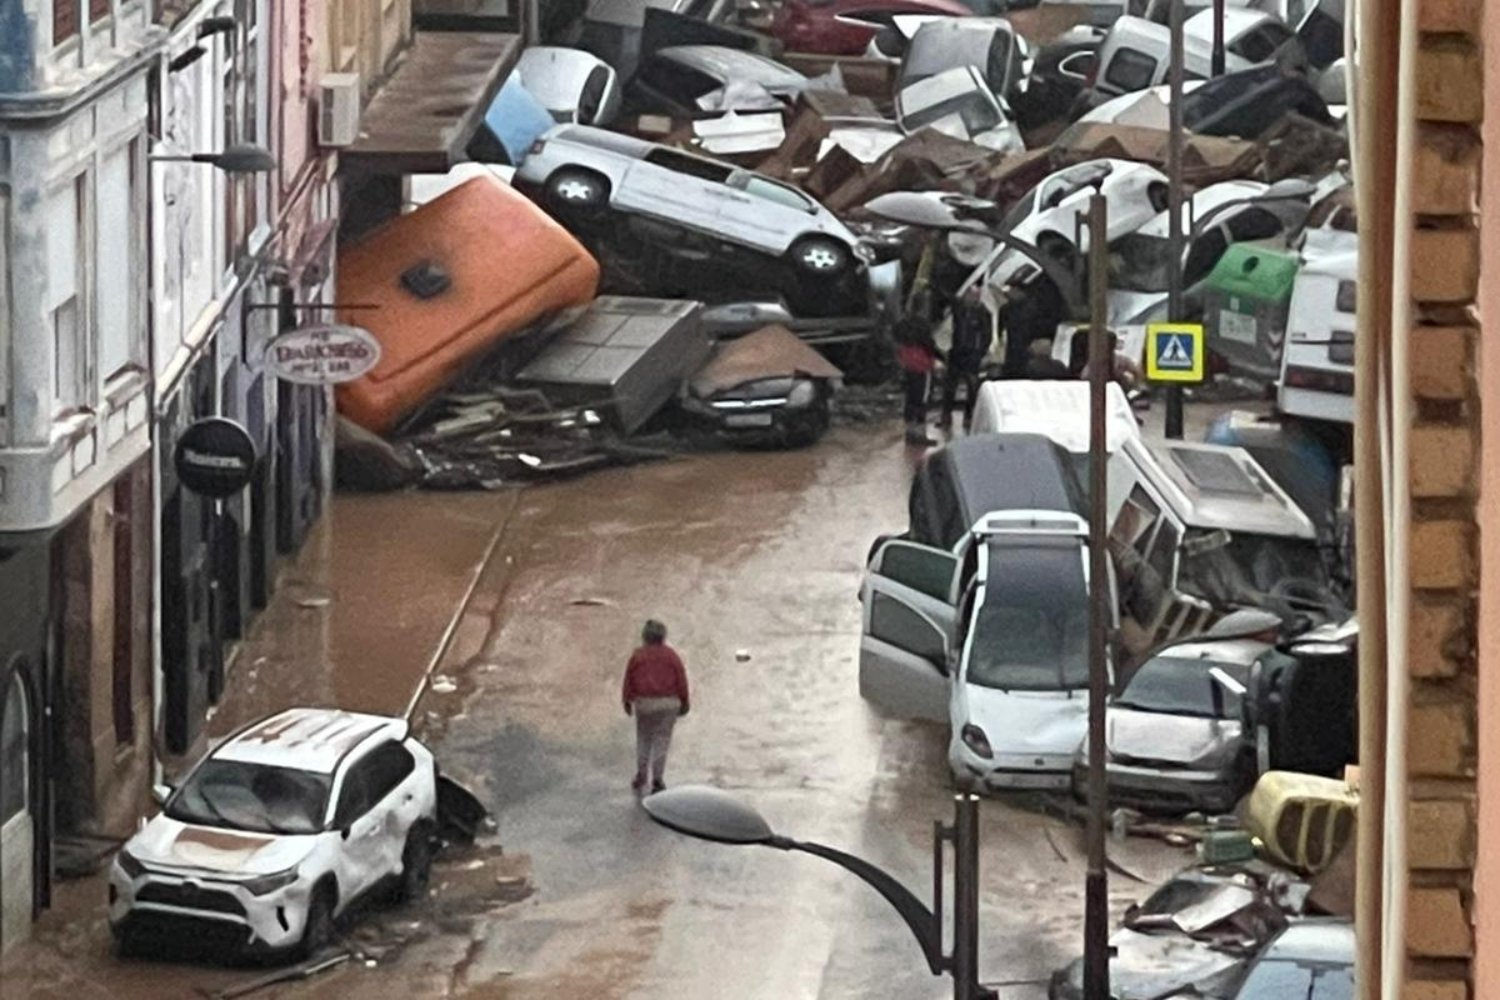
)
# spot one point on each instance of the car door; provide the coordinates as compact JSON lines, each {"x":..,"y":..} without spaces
{"x":677,"y":187}
{"x":393,"y":793}
{"x":763,"y":213}
{"x":907,"y":630}
{"x":359,"y":862}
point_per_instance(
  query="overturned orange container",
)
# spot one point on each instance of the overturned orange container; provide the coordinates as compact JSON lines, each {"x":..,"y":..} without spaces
{"x":447,"y":282}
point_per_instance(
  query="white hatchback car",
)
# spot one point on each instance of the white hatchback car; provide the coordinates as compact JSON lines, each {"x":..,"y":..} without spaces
{"x":276,"y":832}
{"x":589,"y":169}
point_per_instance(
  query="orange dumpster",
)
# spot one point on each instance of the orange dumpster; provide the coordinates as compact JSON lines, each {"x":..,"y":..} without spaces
{"x":448,"y":281}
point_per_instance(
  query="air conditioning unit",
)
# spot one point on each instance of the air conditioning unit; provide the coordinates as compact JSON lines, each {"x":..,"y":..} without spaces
{"x":338,"y":110}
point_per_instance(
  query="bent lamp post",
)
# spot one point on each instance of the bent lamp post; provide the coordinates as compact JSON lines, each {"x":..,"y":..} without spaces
{"x":714,"y":815}
{"x":240,"y":158}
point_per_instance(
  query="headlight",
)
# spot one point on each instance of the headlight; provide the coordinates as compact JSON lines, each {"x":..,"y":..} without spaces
{"x":132,"y":868}
{"x":270,"y":883}
{"x":975,"y":740}
{"x":802,"y":394}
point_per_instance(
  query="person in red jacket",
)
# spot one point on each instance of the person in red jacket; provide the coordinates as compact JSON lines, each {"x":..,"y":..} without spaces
{"x":656,"y":693}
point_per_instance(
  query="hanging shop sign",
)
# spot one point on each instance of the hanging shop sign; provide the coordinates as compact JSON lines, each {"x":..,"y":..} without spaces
{"x":214,"y":457}
{"x":326,"y":354}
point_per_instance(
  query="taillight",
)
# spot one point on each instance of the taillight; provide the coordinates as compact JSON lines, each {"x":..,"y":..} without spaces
{"x":1320,"y":381}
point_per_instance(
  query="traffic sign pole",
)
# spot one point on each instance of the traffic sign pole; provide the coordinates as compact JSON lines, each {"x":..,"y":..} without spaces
{"x":1175,"y":240}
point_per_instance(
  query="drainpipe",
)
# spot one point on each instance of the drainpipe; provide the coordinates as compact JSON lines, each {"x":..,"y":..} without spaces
{"x":1397,"y":471}
{"x":1373,"y":161}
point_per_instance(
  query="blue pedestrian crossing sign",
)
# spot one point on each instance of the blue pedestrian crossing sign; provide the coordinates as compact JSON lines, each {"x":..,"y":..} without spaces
{"x":1174,"y":352}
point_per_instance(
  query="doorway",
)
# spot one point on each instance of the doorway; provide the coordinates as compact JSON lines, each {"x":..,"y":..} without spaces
{"x":17,"y":837}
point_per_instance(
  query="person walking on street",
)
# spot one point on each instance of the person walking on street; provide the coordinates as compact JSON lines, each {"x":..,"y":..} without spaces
{"x":973,"y":332}
{"x":918,"y":355}
{"x":656,"y":693}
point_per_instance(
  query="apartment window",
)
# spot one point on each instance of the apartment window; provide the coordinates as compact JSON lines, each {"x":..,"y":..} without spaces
{"x":64,"y":20}
{"x":65,"y":229}
{"x":115,"y":302}
{"x":98,"y":10}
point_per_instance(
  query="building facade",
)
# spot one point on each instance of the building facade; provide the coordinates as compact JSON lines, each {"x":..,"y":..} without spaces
{"x":75,"y":541}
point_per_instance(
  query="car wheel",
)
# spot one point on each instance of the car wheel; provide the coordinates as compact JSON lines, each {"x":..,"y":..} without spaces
{"x":319,"y":930}
{"x":578,"y":189}
{"x":820,"y":255}
{"x":416,"y":865}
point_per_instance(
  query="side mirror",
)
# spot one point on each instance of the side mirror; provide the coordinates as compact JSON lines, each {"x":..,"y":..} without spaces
{"x":161,"y":793}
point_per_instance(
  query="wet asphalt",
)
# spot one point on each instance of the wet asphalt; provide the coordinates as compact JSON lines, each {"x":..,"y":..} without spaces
{"x":514,"y":613}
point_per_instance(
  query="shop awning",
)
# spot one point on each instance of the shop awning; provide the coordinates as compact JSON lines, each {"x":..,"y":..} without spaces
{"x":422,"y":118}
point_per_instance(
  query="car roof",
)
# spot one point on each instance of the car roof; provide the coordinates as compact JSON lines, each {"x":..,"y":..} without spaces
{"x":1219,"y":487}
{"x":994,"y":472}
{"x":1237,"y":21}
{"x":309,"y":739}
{"x":614,"y":142}
{"x":724,"y":63}
{"x":1241,"y":652}
{"x":1328,"y":941}
{"x":1058,"y":409}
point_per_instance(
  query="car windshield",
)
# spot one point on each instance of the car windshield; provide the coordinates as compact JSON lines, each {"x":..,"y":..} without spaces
{"x":1179,"y":685}
{"x":1252,"y":568}
{"x":1299,"y":980}
{"x":1031,"y":631}
{"x":976,"y":111}
{"x":257,"y":797}
{"x":1140,"y":263}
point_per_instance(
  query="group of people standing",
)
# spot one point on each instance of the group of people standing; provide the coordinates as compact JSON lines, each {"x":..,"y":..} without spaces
{"x":1029,"y":318}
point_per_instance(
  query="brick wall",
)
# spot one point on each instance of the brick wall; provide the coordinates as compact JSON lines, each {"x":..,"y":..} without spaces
{"x":1445,"y":448}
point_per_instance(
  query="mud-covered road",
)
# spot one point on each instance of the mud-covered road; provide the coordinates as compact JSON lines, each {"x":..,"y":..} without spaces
{"x":753,"y":561}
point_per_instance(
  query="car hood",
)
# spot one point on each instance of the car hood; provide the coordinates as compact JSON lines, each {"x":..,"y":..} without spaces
{"x":1137,"y":737}
{"x":1035,"y":723}
{"x":166,"y":842}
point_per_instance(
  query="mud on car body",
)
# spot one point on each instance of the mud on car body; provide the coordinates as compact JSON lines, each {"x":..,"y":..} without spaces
{"x":277,"y":832}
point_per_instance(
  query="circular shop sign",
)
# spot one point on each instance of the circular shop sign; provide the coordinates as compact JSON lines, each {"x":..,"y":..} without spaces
{"x":322,"y":355}
{"x":214,"y":457}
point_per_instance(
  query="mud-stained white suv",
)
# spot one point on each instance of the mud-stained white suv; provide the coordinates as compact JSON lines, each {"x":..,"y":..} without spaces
{"x":277,"y":832}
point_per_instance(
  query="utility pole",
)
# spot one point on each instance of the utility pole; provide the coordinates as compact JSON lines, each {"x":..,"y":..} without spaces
{"x":966,"y":898}
{"x":1175,"y":200}
{"x":1101,"y":364}
{"x":1217,"y":69}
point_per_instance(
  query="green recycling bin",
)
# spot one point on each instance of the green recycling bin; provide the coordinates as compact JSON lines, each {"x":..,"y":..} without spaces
{"x":1245,"y":304}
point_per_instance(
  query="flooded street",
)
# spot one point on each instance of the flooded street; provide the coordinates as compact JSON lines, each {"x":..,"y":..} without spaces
{"x":520,"y":610}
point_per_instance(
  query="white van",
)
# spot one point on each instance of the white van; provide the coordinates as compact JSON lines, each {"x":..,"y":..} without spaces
{"x":1317,"y":364}
{"x":1136,"y":52}
{"x":1198,"y":530}
{"x":1056,"y":409}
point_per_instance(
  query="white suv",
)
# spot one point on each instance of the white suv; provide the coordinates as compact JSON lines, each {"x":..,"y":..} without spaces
{"x":276,"y":832}
{"x":578,"y":168}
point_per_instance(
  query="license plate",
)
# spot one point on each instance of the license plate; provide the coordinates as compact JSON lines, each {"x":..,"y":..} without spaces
{"x":748,"y":420}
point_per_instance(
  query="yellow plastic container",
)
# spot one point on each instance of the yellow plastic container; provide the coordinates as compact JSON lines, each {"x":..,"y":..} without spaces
{"x":1303,"y":820}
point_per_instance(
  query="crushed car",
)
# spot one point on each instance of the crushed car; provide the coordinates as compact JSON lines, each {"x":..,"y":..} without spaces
{"x":575,"y":86}
{"x":766,"y":388}
{"x":958,"y":102}
{"x":277,"y":833}
{"x":688,"y":80}
{"x":989,"y":44}
{"x":847,"y":27}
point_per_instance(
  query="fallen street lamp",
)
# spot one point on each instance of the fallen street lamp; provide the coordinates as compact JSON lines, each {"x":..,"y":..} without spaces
{"x":714,"y":815}
{"x":240,"y":158}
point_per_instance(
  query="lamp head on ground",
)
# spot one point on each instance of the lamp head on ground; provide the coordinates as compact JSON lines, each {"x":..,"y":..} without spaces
{"x":709,"y":814}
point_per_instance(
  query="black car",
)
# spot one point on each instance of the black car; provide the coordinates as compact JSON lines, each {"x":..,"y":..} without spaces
{"x":983,"y":473}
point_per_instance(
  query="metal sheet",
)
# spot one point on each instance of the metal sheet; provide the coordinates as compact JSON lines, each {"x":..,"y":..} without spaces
{"x":769,"y":352}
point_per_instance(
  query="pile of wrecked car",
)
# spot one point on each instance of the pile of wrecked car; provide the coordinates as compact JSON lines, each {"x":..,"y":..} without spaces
{"x":744,"y":157}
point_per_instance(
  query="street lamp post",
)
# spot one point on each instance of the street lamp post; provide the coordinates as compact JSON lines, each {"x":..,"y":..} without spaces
{"x":714,"y":815}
